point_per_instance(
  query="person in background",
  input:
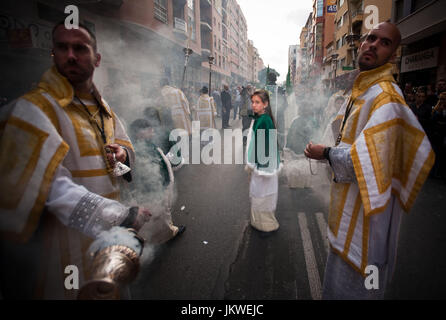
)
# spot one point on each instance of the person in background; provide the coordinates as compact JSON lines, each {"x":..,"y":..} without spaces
{"x":205,"y":111}
{"x":237,"y":101}
{"x":217,"y":99}
{"x":431,"y":97}
{"x":245,"y":110}
{"x":175,"y":100}
{"x":422,"y":110}
{"x":439,"y":136}
{"x":226,"y":106}
{"x":441,"y":86}
{"x":154,"y":175}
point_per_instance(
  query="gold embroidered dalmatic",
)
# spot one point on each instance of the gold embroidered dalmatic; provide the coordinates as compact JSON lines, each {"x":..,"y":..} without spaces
{"x":391,"y":156}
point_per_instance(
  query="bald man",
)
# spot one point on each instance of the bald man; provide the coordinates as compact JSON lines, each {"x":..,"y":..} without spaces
{"x":61,"y":188}
{"x":380,"y":160}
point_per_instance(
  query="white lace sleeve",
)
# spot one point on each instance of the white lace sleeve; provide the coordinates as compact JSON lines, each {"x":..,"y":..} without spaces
{"x":342,"y":165}
{"x":81,"y":209}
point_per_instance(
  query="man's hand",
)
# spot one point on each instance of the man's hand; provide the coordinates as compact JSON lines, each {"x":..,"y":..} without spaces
{"x":143,"y":216}
{"x":119,"y":152}
{"x":314,"y":151}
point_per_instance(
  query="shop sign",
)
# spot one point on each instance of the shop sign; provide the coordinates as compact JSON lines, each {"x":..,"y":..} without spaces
{"x":421,"y":60}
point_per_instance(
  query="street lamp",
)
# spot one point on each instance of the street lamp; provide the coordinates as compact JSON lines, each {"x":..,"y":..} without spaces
{"x":187,"y":53}
{"x":211,"y":62}
{"x":334,"y":58}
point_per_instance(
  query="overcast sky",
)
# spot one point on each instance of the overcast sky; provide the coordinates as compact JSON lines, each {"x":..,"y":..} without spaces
{"x":274,"y":25}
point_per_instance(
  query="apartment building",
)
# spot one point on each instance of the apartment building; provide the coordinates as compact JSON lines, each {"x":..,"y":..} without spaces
{"x":293,"y":62}
{"x":141,"y":41}
{"x":306,"y":51}
{"x":349,"y":25}
{"x":254,"y":63}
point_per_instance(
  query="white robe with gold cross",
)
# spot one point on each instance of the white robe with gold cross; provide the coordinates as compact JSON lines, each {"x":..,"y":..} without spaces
{"x":175,"y":99}
{"x":379,"y":167}
{"x":205,"y":112}
{"x":56,"y":178}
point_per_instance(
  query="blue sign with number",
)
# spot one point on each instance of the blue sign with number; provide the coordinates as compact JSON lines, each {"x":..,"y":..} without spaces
{"x":332,"y":8}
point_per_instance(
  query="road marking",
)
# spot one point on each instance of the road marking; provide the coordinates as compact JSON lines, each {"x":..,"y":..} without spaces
{"x":310,"y":259}
{"x":322,"y":228}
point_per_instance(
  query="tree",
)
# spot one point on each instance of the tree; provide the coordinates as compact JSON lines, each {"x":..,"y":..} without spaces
{"x":289,"y":87}
{"x":273,"y":75}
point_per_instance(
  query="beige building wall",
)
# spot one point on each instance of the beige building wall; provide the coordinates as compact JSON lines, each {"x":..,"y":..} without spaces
{"x":358,"y":17}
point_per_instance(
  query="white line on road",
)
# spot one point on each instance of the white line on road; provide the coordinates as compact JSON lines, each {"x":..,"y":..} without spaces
{"x":322,"y":228}
{"x":310,"y":260}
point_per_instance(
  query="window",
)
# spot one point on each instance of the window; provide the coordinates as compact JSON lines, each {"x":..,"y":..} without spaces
{"x":160,"y":10}
{"x":190,"y":4}
{"x":344,"y":18}
{"x":338,"y":44}
{"x":320,"y":8}
{"x":340,"y":22}
{"x":344,"y":40}
{"x":341,"y":2}
{"x":191,"y":25}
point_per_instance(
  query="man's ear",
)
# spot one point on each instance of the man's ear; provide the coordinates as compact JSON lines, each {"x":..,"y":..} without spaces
{"x":98,"y":60}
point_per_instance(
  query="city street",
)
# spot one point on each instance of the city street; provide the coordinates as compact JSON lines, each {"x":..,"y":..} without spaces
{"x":221,"y":257}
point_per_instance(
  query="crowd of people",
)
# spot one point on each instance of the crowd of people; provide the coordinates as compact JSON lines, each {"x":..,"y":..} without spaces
{"x":428,"y":104}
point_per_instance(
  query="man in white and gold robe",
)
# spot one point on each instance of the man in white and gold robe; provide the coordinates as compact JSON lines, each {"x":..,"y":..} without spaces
{"x":380,"y":161}
{"x":205,"y":110}
{"x":176,"y":101}
{"x":59,"y":190}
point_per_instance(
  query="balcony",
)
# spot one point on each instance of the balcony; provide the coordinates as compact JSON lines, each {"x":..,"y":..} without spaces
{"x":180,"y":28}
{"x":357,"y":15}
{"x":206,"y":26}
{"x":206,"y":3}
{"x":160,"y":12}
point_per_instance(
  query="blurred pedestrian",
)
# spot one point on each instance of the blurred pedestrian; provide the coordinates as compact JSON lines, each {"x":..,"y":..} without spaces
{"x":237,"y":102}
{"x":217,"y":99}
{"x":154,"y":178}
{"x":422,"y":110}
{"x":226,"y":106}
{"x":205,"y":110}
{"x":175,"y":100}
{"x":439,"y":136}
{"x":245,"y":111}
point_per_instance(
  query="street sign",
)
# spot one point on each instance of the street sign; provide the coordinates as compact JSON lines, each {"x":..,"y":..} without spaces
{"x":331,"y":6}
{"x":332,"y":9}
{"x":347,"y":68}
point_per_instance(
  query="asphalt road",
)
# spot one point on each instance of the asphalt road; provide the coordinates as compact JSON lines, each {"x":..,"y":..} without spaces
{"x":221,"y":257}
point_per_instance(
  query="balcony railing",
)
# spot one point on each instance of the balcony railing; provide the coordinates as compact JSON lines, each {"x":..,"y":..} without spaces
{"x":160,"y":12}
{"x":179,"y":25}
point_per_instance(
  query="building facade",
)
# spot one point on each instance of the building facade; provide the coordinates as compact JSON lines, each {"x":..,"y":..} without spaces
{"x":423,"y":29}
{"x":141,"y":42}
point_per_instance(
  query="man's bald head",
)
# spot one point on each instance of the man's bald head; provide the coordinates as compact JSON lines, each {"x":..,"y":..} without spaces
{"x":379,"y":46}
{"x":392,"y":29}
